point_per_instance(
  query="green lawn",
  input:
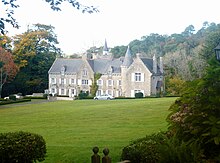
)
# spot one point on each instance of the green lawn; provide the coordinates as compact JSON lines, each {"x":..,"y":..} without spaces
{"x":72,"y":128}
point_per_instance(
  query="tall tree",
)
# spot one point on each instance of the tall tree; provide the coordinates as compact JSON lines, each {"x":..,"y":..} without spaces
{"x":8,"y":69}
{"x":34,"y":52}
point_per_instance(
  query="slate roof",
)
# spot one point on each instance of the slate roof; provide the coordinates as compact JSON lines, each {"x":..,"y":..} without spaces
{"x":149,"y":64}
{"x":98,"y":65}
{"x":72,"y":65}
{"x":128,"y":58}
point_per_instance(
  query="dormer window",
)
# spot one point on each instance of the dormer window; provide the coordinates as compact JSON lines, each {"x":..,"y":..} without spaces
{"x":85,"y":73}
{"x":63,"y":69}
{"x":110,"y":70}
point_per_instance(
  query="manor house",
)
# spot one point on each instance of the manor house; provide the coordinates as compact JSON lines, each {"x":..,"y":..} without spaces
{"x":123,"y":76}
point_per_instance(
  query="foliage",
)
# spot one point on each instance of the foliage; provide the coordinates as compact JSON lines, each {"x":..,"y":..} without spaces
{"x":12,"y":97}
{"x":13,"y":102}
{"x":174,"y":86}
{"x":10,"y":5}
{"x":22,"y":147}
{"x":158,"y":147}
{"x":94,"y":87}
{"x":139,"y":95}
{"x":144,"y":149}
{"x":34,"y":52}
{"x":9,"y":12}
{"x":195,"y":116}
{"x":8,"y":69}
{"x":83,"y":95}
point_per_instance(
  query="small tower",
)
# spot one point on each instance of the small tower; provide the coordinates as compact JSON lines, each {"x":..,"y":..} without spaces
{"x":124,"y":67}
{"x":128,"y":58}
{"x":105,"y":49}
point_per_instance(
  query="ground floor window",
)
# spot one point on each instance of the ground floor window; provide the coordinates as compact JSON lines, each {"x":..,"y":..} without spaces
{"x":99,"y":92}
{"x":62,"y":91}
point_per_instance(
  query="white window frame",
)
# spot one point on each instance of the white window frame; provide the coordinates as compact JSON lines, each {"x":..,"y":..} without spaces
{"x":100,"y":82}
{"x":85,"y":82}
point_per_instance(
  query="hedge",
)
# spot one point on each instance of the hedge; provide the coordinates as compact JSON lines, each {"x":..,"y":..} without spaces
{"x":21,"y":147}
{"x":12,"y":101}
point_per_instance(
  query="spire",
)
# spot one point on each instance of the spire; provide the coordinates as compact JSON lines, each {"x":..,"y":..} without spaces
{"x":105,"y":48}
{"x":128,"y":58}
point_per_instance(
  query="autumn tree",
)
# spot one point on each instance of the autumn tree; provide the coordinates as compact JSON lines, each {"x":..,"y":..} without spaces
{"x":10,"y":5}
{"x":8,"y":69}
{"x":34,"y":52}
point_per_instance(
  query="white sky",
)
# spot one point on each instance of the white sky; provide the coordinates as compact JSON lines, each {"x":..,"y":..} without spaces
{"x":119,"y":21}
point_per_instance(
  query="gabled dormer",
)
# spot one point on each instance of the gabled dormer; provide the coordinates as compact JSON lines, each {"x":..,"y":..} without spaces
{"x":63,"y":69}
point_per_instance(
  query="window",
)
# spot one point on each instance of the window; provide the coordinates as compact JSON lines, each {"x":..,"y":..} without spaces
{"x":137,"y":76}
{"x":137,"y":91}
{"x":63,"y":68}
{"x":99,"y":92}
{"x":53,"y":90}
{"x":62,"y":91}
{"x":62,"y":80}
{"x":84,"y":72}
{"x":110,"y":82}
{"x":73,"y":91}
{"x":53,"y":81}
{"x":119,"y":82}
{"x":72,"y":81}
{"x":85,"y":82}
{"x":99,"y":82}
{"x":110,"y":92}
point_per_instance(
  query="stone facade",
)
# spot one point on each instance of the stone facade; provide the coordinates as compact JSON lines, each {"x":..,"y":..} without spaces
{"x":119,"y":77}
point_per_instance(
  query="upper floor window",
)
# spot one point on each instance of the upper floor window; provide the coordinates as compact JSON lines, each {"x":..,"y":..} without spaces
{"x":84,"y":73}
{"x":62,"y":80}
{"x":72,"y":81}
{"x":137,"y":76}
{"x":119,"y":82}
{"x":85,"y":82}
{"x":53,"y":80}
{"x":99,"y":82}
{"x":110,"y":82}
{"x":63,"y":68}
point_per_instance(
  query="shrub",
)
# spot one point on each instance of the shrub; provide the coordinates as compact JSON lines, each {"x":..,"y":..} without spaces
{"x":12,"y":97}
{"x":21,"y":147}
{"x":144,"y":149}
{"x":83,"y":95}
{"x":158,"y":148}
{"x":139,"y":95}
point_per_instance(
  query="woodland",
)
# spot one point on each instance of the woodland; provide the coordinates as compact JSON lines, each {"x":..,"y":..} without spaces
{"x":33,"y":52}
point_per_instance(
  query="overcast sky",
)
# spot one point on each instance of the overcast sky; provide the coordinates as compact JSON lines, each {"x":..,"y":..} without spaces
{"x":119,"y":21}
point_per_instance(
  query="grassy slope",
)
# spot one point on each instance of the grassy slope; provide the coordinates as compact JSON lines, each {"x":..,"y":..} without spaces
{"x":72,"y":128}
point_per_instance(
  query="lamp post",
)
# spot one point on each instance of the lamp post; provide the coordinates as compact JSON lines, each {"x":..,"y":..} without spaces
{"x":217,"y":52}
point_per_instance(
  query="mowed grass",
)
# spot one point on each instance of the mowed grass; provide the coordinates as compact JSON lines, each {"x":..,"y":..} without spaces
{"x":72,"y":128}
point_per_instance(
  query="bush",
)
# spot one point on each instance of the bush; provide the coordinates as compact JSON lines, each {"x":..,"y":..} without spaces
{"x":21,"y":147}
{"x":12,"y":102}
{"x":12,"y":97}
{"x":139,"y":95}
{"x":158,"y":148}
{"x":83,"y":95}
{"x":144,"y":149}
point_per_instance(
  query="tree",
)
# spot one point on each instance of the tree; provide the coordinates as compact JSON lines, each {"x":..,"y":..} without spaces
{"x":34,"y":52}
{"x":40,"y":39}
{"x":55,"y":5}
{"x":195,"y":117}
{"x":94,"y":86}
{"x":8,"y":69}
